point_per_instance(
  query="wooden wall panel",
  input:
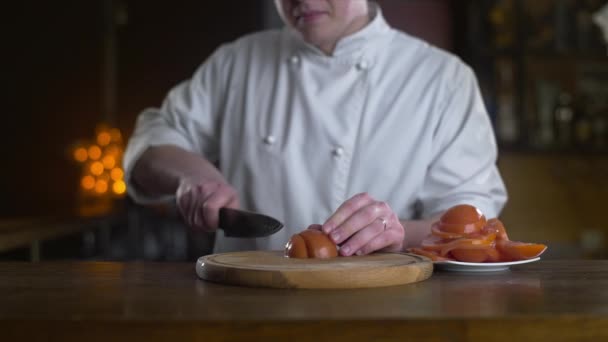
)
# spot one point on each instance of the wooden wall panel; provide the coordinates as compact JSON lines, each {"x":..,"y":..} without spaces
{"x":557,"y":199}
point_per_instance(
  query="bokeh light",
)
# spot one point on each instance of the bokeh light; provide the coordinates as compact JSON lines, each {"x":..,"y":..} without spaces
{"x":87,"y":182}
{"x":101,"y":186}
{"x":101,"y":158}
{"x":81,"y":154}
{"x":116,"y":174}
{"x":108,"y":162}
{"x":119,"y":187}
{"x":115,"y":135}
{"x":97,"y":168}
{"x":94,"y":152}
{"x":104,"y":138}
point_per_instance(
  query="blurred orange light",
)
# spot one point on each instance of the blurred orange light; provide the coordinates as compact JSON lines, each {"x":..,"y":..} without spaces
{"x":97,"y":168}
{"x":87,"y":182}
{"x":105,"y":176}
{"x":115,"y":135}
{"x":101,"y":161}
{"x":80,"y":154}
{"x":116,"y":174}
{"x":104,"y":138}
{"x":101,"y":187}
{"x":119,"y":187}
{"x":112,"y":150}
{"x":109,"y":162}
{"x":94,"y":152}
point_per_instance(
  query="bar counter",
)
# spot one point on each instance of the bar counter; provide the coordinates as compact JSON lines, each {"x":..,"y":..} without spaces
{"x":141,"y":301}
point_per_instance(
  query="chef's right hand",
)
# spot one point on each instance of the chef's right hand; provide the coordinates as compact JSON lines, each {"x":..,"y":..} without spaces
{"x":199,"y":202}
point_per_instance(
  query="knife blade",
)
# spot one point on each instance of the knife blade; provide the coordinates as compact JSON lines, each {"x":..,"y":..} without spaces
{"x":247,"y":224}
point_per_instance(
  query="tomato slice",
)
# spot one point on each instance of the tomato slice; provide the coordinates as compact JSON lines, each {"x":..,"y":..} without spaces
{"x":296,"y":247}
{"x":434,"y":243}
{"x":462,"y":219}
{"x":493,"y":255}
{"x":471,"y":255}
{"x":436,"y":230}
{"x":429,"y":254}
{"x":463,"y":233}
{"x":515,"y":250}
{"x":444,"y":246}
{"x":496,"y":226}
{"x":484,"y":242}
{"x":462,"y":228}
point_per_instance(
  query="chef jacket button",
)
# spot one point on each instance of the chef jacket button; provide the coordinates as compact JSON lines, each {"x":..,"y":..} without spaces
{"x":269,"y":140}
{"x":362,"y":65}
{"x":294,"y":59}
{"x":338,"y":152}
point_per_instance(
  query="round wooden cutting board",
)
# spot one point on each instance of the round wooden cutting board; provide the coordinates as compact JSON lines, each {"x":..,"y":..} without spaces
{"x":272,"y":269}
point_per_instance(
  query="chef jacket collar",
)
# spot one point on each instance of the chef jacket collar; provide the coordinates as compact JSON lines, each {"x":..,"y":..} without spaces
{"x":356,"y":42}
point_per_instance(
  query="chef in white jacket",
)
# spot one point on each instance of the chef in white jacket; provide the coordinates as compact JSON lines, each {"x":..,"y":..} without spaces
{"x":337,"y":119}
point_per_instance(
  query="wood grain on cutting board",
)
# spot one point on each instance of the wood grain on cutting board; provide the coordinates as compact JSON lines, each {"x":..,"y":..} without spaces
{"x":272,"y":269}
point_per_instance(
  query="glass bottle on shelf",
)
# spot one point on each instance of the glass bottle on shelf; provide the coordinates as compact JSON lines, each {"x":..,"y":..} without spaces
{"x":563,"y":116}
{"x":546,"y":95}
{"x":501,"y":16}
{"x":565,"y":25}
{"x":584,"y":29}
{"x":539,"y":25}
{"x":583,"y":129}
{"x":600,"y":130}
{"x":507,"y":122}
{"x":508,"y":130}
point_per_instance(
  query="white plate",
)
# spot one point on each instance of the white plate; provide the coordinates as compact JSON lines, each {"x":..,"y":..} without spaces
{"x":459,"y":266}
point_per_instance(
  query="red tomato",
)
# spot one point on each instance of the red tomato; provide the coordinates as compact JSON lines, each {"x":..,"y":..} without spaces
{"x":514,"y":250}
{"x":461,"y":219}
{"x":311,"y":243}
{"x":470,"y":255}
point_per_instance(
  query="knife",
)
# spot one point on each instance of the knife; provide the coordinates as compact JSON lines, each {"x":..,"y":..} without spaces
{"x":247,"y":224}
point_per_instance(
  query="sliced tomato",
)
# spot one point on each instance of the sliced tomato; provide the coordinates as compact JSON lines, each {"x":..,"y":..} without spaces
{"x":515,"y":250}
{"x":462,"y":228}
{"x":434,"y":243}
{"x":481,"y":243}
{"x":493,"y":255}
{"x":429,"y":254}
{"x":496,"y":225}
{"x":296,"y":247}
{"x":436,"y":230}
{"x":471,"y":255}
{"x":462,"y":213}
{"x":464,"y":233}
{"x":462,"y":219}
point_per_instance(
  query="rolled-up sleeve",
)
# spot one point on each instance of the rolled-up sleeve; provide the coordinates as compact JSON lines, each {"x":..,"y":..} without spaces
{"x":187,"y":119}
{"x":463,"y":165}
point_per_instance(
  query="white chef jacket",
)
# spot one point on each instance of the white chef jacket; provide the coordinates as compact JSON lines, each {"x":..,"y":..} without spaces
{"x":297,"y":132}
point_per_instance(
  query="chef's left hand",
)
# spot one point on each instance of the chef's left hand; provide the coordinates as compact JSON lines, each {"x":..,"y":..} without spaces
{"x":363,"y":225}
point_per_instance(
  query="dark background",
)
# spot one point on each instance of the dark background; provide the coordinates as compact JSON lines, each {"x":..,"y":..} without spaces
{"x":54,"y":81}
{"x":54,"y":72}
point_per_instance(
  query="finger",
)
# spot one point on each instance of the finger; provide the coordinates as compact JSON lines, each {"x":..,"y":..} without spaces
{"x":234,"y":202}
{"x":211,"y":207}
{"x":391,"y":240}
{"x":183,"y":202}
{"x":201,"y":193}
{"x":315,"y":227}
{"x":347,"y":208}
{"x":198,"y":223}
{"x":360,"y":219}
{"x":362,"y":238}
{"x":187,"y":203}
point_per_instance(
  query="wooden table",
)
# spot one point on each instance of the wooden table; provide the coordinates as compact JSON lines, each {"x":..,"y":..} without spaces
{"x":94,"y":301}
